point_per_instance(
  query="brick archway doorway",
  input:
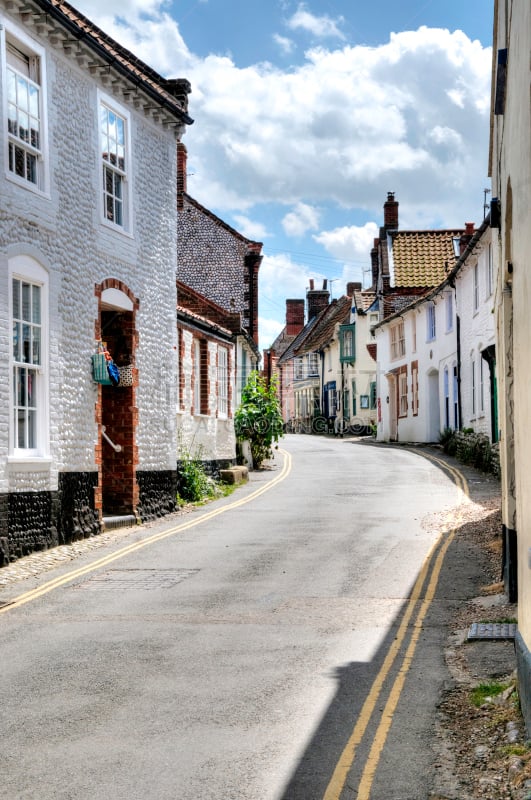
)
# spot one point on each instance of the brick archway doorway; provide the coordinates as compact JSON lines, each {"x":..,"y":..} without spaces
{"x":116,"y":412}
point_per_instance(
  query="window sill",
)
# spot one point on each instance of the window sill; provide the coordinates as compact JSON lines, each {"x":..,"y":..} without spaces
{"x":29,"y":463}
{"x":31,"y":187}
{"x":111,"y":226}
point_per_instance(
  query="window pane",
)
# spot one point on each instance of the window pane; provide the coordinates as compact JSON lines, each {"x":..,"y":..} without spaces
{"x":22,"y":93}
{"x":16,"y":298}
{"x":26,"y":302}
{"x":19,"y":162}
{"x":20,"y":429}
{"x":17,"y":339}
{"x":21,"y":386}
{"x":118,"y":216}
{"x":36,"y":347}
{"x":34,"y":101}
{"x":36,"y":304}
{"x":11,"y":87}
{"x":26,"y":338}
{"x":12,"y":126}
{"x":31,"y":168}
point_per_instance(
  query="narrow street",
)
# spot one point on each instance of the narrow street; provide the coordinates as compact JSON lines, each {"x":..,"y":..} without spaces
{"x":284,"y":643}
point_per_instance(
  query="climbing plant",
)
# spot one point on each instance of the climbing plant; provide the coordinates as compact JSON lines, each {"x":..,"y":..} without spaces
{"x":258,"y":418}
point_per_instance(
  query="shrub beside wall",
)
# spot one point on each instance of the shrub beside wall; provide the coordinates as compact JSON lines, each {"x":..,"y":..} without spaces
{"x":474,"y":449}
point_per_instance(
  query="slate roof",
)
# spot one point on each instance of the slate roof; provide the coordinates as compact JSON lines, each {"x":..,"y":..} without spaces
{"x":423,"y":258}
{"x":292,"y":350}
{"x":338,"y":312}
{"x":171,"y":95}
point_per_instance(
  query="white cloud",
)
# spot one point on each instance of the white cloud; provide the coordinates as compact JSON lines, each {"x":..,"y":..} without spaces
{"x":322,"y":27}
{"x":251,"y":229}
{"x":351,"y":244}
{"x":286,"y":45}
{"x":343,"y":127}
{"x":302,"y":219}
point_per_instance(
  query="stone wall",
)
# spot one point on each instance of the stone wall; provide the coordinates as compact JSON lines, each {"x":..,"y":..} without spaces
{"x":50,"y":498}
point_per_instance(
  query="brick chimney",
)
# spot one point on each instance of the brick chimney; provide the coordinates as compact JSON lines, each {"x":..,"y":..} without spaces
{"x":374,"y":264}
{"x":465,"y":237}
{"x":391,"y":212}
{"x":294,"y":317}
{"x":353,"y":286}
{"x":317,"y":299}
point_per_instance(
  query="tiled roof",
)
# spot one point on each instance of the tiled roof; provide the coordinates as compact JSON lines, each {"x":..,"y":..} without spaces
{"x":423,"y":258}
{"x":364,"y":300}
{"x":338,"y":312}
{"x":291,"y":350}
{"x":168,"y":94}
{"x":399,"y":300}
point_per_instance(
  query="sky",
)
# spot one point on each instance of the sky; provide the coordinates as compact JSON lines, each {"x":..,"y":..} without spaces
{"x":307,"y":113}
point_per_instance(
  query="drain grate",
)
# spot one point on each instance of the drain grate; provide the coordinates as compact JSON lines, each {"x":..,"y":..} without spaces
{"x":492,"y":630}
{"x":138,"y":579}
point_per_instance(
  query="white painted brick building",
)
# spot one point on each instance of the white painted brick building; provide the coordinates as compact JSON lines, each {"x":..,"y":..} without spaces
{"x":88,"y":243}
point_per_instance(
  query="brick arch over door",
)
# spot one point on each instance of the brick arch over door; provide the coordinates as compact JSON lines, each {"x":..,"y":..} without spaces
{"x":116,"y":413}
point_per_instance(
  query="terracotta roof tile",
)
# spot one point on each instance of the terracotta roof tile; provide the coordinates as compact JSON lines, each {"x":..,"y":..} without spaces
{"x":423,"y":258}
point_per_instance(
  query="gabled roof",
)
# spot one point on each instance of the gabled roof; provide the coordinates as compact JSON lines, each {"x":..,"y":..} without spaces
{"x":253,"y":245}
{"x":291,"y":351}
{"x":423,"y":258}
{"x":337,"y":313}
{"x":169,"y":95}
{"x":194,"y":305}
{"x":396,"y":303}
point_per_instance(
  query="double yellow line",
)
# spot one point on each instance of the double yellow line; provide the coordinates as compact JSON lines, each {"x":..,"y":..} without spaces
{"x":33,"y":594}
{"x":433,"y":563}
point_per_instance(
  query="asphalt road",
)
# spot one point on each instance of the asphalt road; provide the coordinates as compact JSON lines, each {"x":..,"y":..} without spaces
{"x":269,"y":646}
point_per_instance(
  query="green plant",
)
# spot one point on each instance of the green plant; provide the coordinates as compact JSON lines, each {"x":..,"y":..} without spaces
{"x":194,"y":485}
{"x":258,"y":418}
{"x":479,"y":694}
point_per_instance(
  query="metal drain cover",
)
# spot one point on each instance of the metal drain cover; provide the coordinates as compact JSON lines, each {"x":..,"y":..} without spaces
{"x":139,"y":579}
{"x":492,"y":630}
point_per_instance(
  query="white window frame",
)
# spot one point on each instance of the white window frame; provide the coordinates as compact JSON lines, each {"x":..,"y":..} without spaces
{"x":313,"y":364}
{"x":431,"y":326}
{"x":474,"y":387}
{"x":223,"y":381}
{"x":481,"y":387}
{"x":475,"y":287}
{"x":413,"y":332}
{"x":489,"y":267}
{"x":196,"y":360}
{"x":449,"y":298}
{"x":30,"y":48}
{"x":26,"y":269}
{"x":402,"y":394}
{"x":398,"y":340}
{"x":104,"y":165}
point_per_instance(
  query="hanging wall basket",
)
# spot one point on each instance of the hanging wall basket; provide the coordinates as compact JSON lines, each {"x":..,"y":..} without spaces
{"x":100,"y":373}
{"x":126,"y":375}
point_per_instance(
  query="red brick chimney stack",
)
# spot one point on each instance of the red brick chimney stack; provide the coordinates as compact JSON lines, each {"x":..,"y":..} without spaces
{"x":391,"y":212}
{"x":374,"y":263}
{"x":353,"y":286}
{"x":294,"y":317}
{"x":317,"y":299}
{"x":465,"y":237}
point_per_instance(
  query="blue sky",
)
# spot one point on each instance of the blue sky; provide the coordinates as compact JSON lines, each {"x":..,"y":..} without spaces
{"x":308,"y":113}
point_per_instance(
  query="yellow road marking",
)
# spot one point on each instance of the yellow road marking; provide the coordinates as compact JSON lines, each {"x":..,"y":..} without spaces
{"x":343,"y":766}
{"x":33,"y":594}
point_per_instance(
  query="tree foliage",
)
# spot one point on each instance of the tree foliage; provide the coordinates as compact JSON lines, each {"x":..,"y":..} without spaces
{"x":258,"y":418}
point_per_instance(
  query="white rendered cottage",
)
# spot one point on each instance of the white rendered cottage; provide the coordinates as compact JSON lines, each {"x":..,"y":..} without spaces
{"x":436,"y":356}
{"x":88,"y":238}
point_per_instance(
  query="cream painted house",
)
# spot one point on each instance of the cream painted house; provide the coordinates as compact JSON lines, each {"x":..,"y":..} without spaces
{"x":510,"y":167}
